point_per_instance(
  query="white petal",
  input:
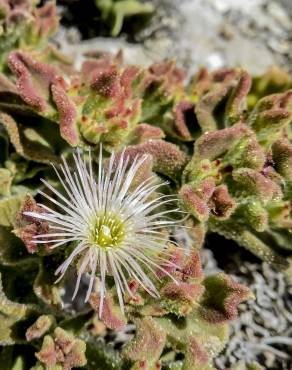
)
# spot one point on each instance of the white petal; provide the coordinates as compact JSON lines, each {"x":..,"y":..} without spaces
{"x":83,"y":199}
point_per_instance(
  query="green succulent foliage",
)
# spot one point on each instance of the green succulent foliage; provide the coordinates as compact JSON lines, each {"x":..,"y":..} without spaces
{"x":224,"y":143}
{"x":106,"y":102}
{"x":11,"y":314}
{"x":25,"y":25}
{"x":113,"y":12}
{"x":238,"y":181}
{"x":249,"y":366}
{"x":189,"y":320}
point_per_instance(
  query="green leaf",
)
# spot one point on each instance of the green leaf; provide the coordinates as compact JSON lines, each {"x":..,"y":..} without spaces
{"x":9,"y":206}
{"x":11,"y":313}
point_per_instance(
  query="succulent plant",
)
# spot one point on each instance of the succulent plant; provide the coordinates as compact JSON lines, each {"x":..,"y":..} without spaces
{"x":190,"y":319}
{"x":104,"y":103}
{"x":243,"y":366}
{"x":114,"y":12}
{"x":221,"y":142}
{"x":106,"y":17}
{"x":26,"y":25}
{"x":238,"y":179}
{"x":186,"y":327}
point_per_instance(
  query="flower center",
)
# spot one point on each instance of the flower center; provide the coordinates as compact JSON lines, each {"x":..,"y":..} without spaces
{"x":108,"y":231}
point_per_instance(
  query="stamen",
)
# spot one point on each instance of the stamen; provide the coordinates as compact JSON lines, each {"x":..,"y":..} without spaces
{"x":116,"y":232}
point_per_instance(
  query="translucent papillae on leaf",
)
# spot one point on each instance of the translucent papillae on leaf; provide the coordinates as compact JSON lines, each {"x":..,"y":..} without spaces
{"x":185,"y":297}
{"x":42,"y":325}
{"x":188,"y":318}
{"x":274,"y":80}
{"x":62,"y":349}
{"x":237,"y":182}
{"x":26,"y":25}
{"x":237,"y":174}
{"x":27,"y":227}
{"x":221,"y":142}
{"x":105,"y":102}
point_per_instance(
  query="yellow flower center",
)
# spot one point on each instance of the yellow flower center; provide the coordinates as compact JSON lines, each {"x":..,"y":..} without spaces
{"x":108,"y":231}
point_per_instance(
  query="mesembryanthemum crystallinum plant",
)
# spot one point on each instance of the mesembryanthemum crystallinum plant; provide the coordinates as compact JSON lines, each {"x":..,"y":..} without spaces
{"x":115,"y":229}
{"x":120,"y":212}
{"x":221,"y":143}
{"x":230,"y":152}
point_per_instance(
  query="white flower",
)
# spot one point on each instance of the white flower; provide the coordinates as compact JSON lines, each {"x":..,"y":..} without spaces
{"x":115,"y":231}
